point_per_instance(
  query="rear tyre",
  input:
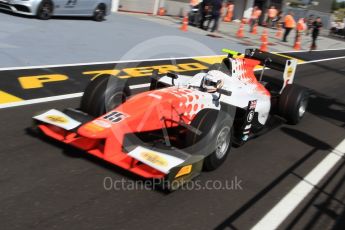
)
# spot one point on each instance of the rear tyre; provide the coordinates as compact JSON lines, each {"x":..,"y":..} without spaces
{"x":104,"y":94}
{"x":45,"y":10}
{"x":215,"y":138}
{"x":99,"y":13}
{"x":293,"y":103}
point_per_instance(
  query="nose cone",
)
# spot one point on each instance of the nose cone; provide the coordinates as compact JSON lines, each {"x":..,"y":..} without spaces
{"x":98,"y":128}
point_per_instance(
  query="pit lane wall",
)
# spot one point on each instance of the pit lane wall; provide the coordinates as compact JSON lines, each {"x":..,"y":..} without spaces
{"x":173,"y":7}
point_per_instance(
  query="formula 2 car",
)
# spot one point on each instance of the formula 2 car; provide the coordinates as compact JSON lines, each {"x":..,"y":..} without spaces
{"x":183,"y":124}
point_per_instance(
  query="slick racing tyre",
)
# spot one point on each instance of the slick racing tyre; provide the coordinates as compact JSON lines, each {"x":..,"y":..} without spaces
{"x":293,"y":103}
{"x":99,"y":13}
{"x":215,"y":138}
{"x":45,"y":10}
{"x":104,"y":94}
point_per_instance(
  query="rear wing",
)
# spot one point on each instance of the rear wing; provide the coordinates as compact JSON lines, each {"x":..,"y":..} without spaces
{"x":273,"y":61}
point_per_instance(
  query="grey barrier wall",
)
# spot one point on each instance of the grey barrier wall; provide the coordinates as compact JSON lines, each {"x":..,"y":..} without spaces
{"x":145,"y":6}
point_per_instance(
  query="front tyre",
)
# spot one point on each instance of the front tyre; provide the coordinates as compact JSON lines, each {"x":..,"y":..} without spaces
{"x":293,"y":103}
{"x":103,"y":94}
{"x":99,"y":13}
{"x":215,"y":138}
{"x":45,"y":10}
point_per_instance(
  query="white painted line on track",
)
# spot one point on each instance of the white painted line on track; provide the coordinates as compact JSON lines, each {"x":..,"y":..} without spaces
{"x":57,"y":98}
{"x":40,"y":100}
{"x":101,"y":63}
{"x":130,"y":61}
{"x":290,"y":201}
{"x":301,"y":51}
{"x":74,"y":95}
{"x":321,"y":60}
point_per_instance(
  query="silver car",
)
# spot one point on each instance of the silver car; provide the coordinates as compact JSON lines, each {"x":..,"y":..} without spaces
{"x":45,"y":9}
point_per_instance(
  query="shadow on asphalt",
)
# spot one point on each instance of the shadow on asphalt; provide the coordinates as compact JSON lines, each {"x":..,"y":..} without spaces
{"x":325,"y":208}
{"x":304,"y":137}
{"x":328,"y":108}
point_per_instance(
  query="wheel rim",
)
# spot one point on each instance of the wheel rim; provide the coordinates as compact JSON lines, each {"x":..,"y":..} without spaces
{"x":302,"y":108}
{"x":99,"y":14}
{"x":46,"y":10}
{"x":115,"y":100}
{"x":223,"y":141}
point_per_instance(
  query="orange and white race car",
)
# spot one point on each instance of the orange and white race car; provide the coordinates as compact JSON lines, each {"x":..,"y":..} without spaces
{"x":183,"y":124}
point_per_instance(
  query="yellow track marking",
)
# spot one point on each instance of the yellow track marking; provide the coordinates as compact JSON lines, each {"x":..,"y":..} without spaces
{"x":33,"y":82}
{"x":286,"y":56}
{"x":211,"y":60}
{"x":7,"y":98}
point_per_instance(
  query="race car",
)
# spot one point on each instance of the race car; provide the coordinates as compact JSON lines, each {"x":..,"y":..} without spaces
{"x":45,"y":9}
{"x":183,"y":124}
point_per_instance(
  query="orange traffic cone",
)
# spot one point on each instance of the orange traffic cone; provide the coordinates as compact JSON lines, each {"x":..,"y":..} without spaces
{"x":240,"y":32}
{"x":228,"y":16}
{"x":297,"y":45}
{"x":264,"y":46}
{"x":161,"y":11}
{"x":255,"y":29}
{"x":184,"y":26}
{"x":279,"y":33}
{"x":264,"y":36}
{"x":264,"y":41}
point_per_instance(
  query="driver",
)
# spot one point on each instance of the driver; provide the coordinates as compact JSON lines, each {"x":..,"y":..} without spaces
{"x":212,"y":83}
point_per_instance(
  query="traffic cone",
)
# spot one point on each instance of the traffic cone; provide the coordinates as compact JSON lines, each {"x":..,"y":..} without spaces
{"x":264,"y":36}
{"x":264,"y":41}
{"x":297,"y":45}
{"x":240,"y":32}
{"x":264,"y":46}
{"x":228,"y":16}
{"x":279,"y":33}
{"x":184,"y":26}
{"x":255,"y":29}
{"x":161,"y":11}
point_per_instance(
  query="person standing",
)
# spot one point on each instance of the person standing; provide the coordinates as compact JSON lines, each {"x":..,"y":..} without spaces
{"x":277,"y":22}
{"x":309,"y":24}
{"x":301,"y":26}
{"x":254,"y":18}
{"x":289,"y":24}
{"x":204,"y":11}
{"x":271,"y":15}
{"x":216,"y":6}
{"x":317,"y":25}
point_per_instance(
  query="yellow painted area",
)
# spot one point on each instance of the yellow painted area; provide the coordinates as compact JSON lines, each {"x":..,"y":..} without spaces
{"x":139,"y":71}
{"x":163,"y":69}
{"x":211,"y":60}
{"x":33,"y":82}
{"x":101,"y":72}
{"x":7,"y":98}
{"x":148,"y":70}
{"x":286,"y":56}
{"x":191,"y":67}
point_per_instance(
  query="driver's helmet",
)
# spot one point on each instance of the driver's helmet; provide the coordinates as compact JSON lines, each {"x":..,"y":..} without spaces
{"x":212,"y":81}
